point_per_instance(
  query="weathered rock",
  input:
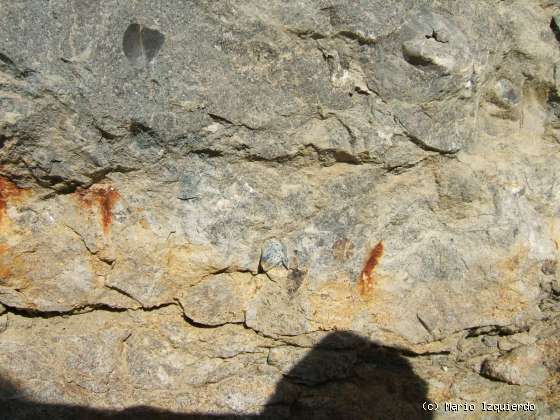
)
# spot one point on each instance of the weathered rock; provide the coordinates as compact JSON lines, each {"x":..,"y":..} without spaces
{"x":521,"y":366}
{"x":192,"y":194}
{"x":221,"y":299}
{"x":3,"y":320}
{"x":324,"y":366}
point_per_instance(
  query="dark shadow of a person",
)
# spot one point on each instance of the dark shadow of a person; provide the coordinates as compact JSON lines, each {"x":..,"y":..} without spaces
{"x":343,"y":377}
{"x":348,"y":377}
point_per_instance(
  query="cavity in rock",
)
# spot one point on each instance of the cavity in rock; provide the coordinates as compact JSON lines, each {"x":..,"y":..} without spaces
{"x":140,"y":41}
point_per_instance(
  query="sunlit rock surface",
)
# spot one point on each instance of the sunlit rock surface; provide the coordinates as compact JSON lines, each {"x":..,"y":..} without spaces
{"x":287,"y":209}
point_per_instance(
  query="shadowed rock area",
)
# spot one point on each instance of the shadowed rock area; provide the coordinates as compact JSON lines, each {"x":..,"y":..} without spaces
{"x":343,"y":377}
{"x":198,"y":197}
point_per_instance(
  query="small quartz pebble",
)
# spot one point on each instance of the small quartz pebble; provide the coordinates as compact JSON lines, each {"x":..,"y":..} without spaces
{"x":274,"y":254}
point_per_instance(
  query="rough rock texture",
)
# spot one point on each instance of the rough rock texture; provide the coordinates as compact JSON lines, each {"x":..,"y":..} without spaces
{"x":313,"y":208}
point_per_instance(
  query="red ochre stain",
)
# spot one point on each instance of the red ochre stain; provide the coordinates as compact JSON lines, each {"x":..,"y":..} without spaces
{"x":105,"y":198}
{"x":365,"y":284}
{"x":8,"y":191}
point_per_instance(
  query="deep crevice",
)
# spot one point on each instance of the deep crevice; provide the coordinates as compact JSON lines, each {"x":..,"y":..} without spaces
{"x":208,"y":152}
{"x":79,"y":310}
{"x":428,"y":148}
{"x":494,"y":330}
{"x":35,"y":313}
{"x":356,"y":37}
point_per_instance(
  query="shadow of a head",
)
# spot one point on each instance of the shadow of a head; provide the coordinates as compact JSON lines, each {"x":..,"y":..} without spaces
{"x":348,"y":377}
{"x":343,"y":377}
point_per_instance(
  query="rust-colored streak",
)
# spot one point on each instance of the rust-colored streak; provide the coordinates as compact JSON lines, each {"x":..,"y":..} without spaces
{"x":5,"y":271}
{"x":84,"y":197}
{"x":105,"y":197}
{"x":8,"y":191}
{"x":365,"y":285}
{"x":106,"y":200}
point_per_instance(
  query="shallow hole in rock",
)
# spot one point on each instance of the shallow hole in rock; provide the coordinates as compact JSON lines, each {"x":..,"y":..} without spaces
{"x":132,"y":43}
{"x":140,"y":41}
{"x":152,"y":40}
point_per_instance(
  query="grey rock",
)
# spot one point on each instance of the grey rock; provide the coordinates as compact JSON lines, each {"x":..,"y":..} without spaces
{"x":221,"y":299}
{"x":506,"y":93}
{"x":521,"y":366}
{"x":194,"y":194}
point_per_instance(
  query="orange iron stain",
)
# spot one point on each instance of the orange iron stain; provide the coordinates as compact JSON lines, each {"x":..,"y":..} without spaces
{"x":5,"y":271}
{"x":105,"y":197}
{"x":8,"y":191}
{"x":365,"y":284}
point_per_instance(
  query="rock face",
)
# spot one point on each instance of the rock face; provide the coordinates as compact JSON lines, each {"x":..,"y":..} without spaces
{"x":304,"y":209}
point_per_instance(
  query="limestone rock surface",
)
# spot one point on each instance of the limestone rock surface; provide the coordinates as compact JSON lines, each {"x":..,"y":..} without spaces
{"x":278,"y":209}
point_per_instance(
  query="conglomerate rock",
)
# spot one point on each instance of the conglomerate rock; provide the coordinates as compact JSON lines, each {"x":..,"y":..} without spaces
{"x":305,"y":209}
